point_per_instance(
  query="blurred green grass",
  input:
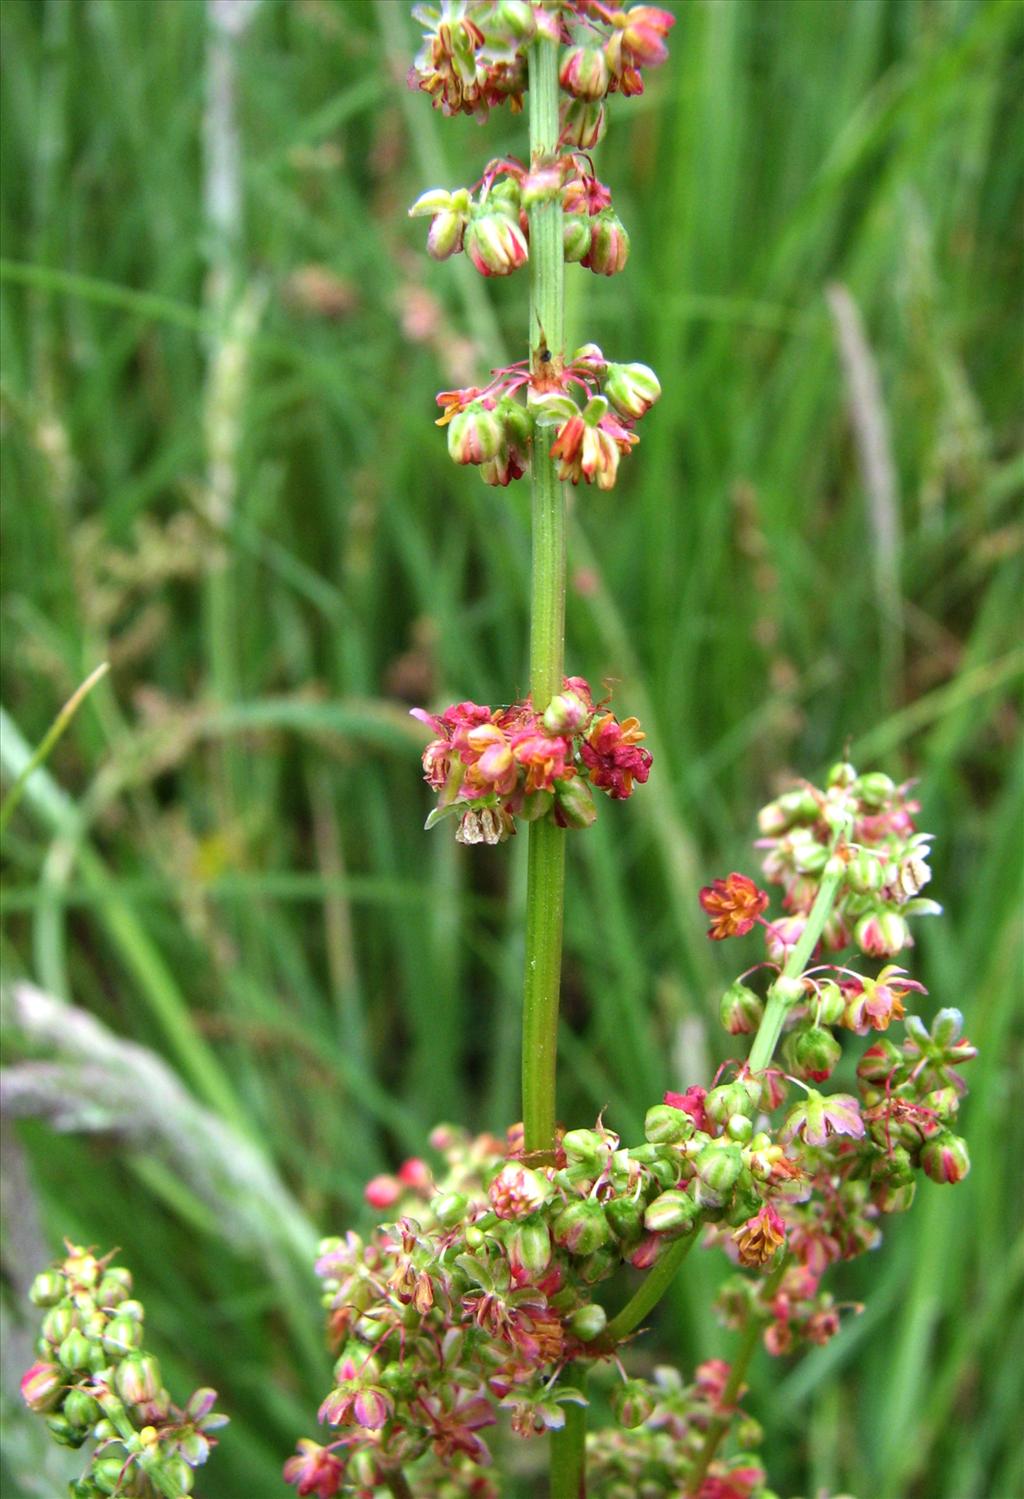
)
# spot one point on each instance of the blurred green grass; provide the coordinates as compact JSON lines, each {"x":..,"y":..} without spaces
{"x":220,"y":473}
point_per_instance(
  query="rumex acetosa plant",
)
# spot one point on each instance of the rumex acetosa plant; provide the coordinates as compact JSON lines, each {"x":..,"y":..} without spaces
{"x":485,"y":1288}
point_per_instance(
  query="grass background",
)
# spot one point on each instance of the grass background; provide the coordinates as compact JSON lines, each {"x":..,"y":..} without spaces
{"x":220,"y":474}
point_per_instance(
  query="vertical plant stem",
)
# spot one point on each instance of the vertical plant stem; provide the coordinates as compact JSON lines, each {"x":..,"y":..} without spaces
{"x":782,"y":995}
{"x":546,"y":865}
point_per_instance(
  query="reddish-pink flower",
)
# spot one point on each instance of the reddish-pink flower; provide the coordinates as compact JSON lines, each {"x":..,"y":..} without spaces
{"x":760,"y":1237}
{"x":733,"y":904}
{"x":314,"y":1470}
{"x":612,"y":754}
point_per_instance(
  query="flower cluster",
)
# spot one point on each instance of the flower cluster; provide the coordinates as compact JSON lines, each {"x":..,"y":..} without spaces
{"x":489,"y":427}
{"x":886,"y":861}
{"x":666,"y":1427}
{"x":473,"y":54}
{"x":491,"y":766}
{"x":94,"y":1380}
{"x":491,"y":222}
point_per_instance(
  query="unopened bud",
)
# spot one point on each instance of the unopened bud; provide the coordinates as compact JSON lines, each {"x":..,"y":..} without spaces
{"x":672,"y":1214}
{"x":632,"y":389}
{"x":565,"y":714}
{"x":718,"y":1166}
{"x":517,"y":1191}
{"x":42,"y":1387}
{"x":585,"y":73}
{"x":47,"y":1289}
{"x":574,"y":803}
{"x":581,"y":1227}
{"x":583,"y":123}
{"x":474,"y":434}
{"x":739,"y":1128}
{"x":875,"y":789}
{"x":864,"y":873}
{"x":813,"y":1053}
{"x":445,"y":235}
{"x":609,"y":244}
{"x":842,"y":774}
{"x":731,"y":1098}
{"x":576,"y":237}
{"x":137,"y":1379}
{"x":945,"y":1159}
{"x":495,"y":244}
{"x":529,"y":1249}
{"x":122,"y":1335}
{"x":625,"y":1217}
{"x":588,"y":1322}
{"x":81,"y":1410}
{"x":632,"y":1403}
{"x":450,"y":1208}
{"x":73,"y":1353}
{"x":882,"y":934}
{"x":740,"y":1010}
{"x":665,"y":1125}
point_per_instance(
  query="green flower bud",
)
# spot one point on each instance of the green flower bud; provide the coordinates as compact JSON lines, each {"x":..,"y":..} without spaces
{"x":632,"y":389}
{"x":575,"y":237}
{"x":123,"y":1334}
{"x":625,"y":1218}
{"x":62,"y":1431}
{"x":574,"y":803}
{"x":588,"y":1148}
{"x":812,"y":1053}
{"x":599,"y":1265}
{"x":137,"y":1379}
{"x":58,"y":1323}
{"x":665,"y":1125}
{"x":864,"y":873}
{"x":740,"y":1010}
{"x":945,"y":1159}
{"x":47,"y":1288}
{"x":739,"y":1128}
{"x":718,"y":1166}
{"x":841,"y":774}
{"x":80,"y":1410}
{"x":581,"y":1227}
{"x":450,"y":1208}
{"x":588,"y":1322}
{"x":73,"y":1353}
{"x":731,"y":1098}
{"x":632,"y":1403}
{"x":529,"y":1248}
{"x":875,"y":790}
{"x":673,"y":1213}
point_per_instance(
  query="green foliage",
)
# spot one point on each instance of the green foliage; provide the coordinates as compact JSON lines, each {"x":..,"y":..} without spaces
{"x":230,"y":487}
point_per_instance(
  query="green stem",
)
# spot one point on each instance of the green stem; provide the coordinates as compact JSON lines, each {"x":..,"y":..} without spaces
{"x":545,"y":883}
{"x":568,"y":1478}
{"x":784,"y":993}
{"x":546,"y":868}
{"x":647,"y":1296}
{"x":730,"y":1395}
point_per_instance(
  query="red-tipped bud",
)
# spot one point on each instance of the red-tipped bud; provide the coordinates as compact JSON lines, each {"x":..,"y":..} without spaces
{"x":813,"y":1053}
{"x":882,"y":934}
{"x":474,"y":435}
{"x":644,"y":33}
{"x":314,"y":1470}
{"x":566,"y":713}
{"x":583,"y":123}
{"x":581,"y":1227}
{"x":373,"y":1408}
{"x":672,"y":1214}
{"x":609,"y":244}
{"x":945,"y":1159}
{"x":585,"y":73}
{"x":632,"y":389}
{"x":632,"y":1403}
{"x":576,"y":237}
{"x":574,"y":804}
{"x":445,"y":235}
{"x":137,"y":1379}
{"x":495,"y":244}
{"x":42,"y":1387}
{"x":879,"y":1062}
{"x":529,"y":1250}
{"x":740,"y":1010}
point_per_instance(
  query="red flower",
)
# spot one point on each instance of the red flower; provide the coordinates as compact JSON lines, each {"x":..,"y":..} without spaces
{"x":733,"y":904}
{"x":612,"y":755}
{"x":314,"y":1470}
